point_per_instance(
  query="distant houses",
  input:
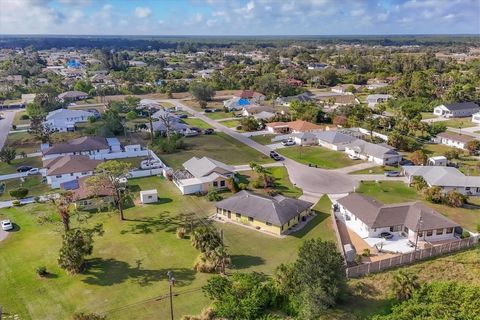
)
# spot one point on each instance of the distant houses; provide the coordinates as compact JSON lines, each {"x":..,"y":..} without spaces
{"x":374,"y":99}
{"x":72,"y":96}
{"x":453,"y":139}
{"x":456,"y":110}
{"x":64,"y":120}
{"x":274,"y":215}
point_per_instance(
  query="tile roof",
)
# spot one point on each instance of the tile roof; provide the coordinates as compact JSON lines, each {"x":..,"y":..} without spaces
{"x":276,"y":210}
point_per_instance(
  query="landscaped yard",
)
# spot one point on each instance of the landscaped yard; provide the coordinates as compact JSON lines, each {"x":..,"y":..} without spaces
{"x":428,"y":115}
{"x":127,"y":270}
{"x":264,"y":138}
{"x":322,"y":157}
{"x":218,"y":146}
{"x":35,"y":162}
{"x":32,"y":183}
{"x":396,"y":191}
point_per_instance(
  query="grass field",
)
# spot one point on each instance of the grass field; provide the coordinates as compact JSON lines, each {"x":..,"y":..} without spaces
{"x":127,"y":270}
{"x":428,"y":115}
{"x":32,"y":183}
{"x":194,"y":122}
{"x":319,"y":156}
{"x":17,"y":121}
{"x":459,"y":123}
{"x":230,"y":123}
{"x":218,"y":146}
{"x":263,"y":139}
{"x":23,"y":142}
{"x":5,"y":168}
{"x":396,"y":191}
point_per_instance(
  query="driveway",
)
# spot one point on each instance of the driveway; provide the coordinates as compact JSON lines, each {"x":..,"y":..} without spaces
{"x":6,"y":125}
{"x":313,"y":181}
{"x":3,"y":235}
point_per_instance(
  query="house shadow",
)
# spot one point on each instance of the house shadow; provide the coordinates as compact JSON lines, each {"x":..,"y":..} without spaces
{"x":107,"y":272}
{"x":241,"y":261}
{"x":164,"y":221}
{"x":163,"y":200}
{"x":319,"y":218}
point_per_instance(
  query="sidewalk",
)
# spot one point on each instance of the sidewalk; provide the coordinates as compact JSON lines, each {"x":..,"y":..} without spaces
{"x":357,"y":167}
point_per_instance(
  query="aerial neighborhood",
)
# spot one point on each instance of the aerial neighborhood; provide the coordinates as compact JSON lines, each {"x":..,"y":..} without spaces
{"x":232,"y":163}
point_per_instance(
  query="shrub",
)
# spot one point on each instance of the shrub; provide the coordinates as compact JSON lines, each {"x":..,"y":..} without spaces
{"x":358,"y":259}
{"x":256,"y":184}
{"x":181,"y":233}
{"x":465,"y":234}
{"x":24,"y":117}
{"x":204,"y":265}
{"x":206,"y":314}
{"x":242,"y":186}
{"x":366,"y":252}
{"x":16,"y":203}
{"x":202,"y":104}
{"x":433,"y":194}
{"x":213,"y":195}
{"x":19,"y":193}
{"x":454,"y":199}
{"x":88,"y":316}
{"x":41,"y":271}
{"x":272,"y":192}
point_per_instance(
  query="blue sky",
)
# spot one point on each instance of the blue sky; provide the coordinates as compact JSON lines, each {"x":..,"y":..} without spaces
{"x":239,"y":17}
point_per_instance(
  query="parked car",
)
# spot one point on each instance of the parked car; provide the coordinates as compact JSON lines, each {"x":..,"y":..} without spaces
{"x":406,"y":162}
{"x":183,"y":116}
{"x":392,"y":173}
{"x":7,"y":225}
{"x":273,"y":154}
{"x":277,"y":158}
{"x":288,"y":142}
{"x":33,"y":171}
{"x":209,"y":110}
{"x":24,"y":168}
{"x":196,"y":129}
{"x":190,"y":133}
{"x":150,"y":164}
{"x":353,"y":157}
{"x":209,"y":131}
{"x":386,"y":235}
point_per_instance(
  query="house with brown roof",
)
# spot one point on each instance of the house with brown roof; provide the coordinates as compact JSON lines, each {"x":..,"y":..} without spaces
{"x":78,"y":146}
{"x":296,"y":126}
{"x":255,"y":97}
{"x":68,"y":168}
{"x":453,"y":139}
{"x":409,"y":221}
{"x":86,"y":197}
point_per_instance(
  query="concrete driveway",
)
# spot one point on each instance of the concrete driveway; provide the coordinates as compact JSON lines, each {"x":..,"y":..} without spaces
{"x":5,"y":125}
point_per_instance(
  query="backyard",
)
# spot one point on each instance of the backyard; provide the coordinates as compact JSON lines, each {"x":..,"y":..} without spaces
{"x":322,"y":157}
{"x":218,"y":146}
{"x":127,"y":270}
{"x":396,"y":191}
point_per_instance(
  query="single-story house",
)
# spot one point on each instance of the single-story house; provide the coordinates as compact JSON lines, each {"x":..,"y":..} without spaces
{"x":87,"y":197}
{"x":148,"y":196}
{"x":375,"y":86}
{"x":80,"y":146}
{"x":373,"y":99}
{"x":292,"y":127}
{"x":272,"y":214}
{"x":202,"y":174}
{"x":334,"y":140}
{"x":173,"y":126}
{"x":368,"y":218}
{"x":334,"y":99}
{"x":236,"y":103}
{"x":67,"y":168}
{"x":476,"y":117}
{"x":343,"y":88}
{"x":302,"y":97}
{"x":72,"y":96}
{"x":255,"y":97}
{"x":264,"y":116}
{"x":64,"y":120}
{"x":447,"y":178}
{"x":456,"y":110}
{"x":453,"y":139}
{"x":437,"y":161}
{"x":381,"y":154}
{"x":254,"y":109}
{"x":304,"y":138}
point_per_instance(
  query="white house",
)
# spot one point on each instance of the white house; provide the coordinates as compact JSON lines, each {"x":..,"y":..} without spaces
{"x":456,"y":110}
{"x":73,"y":95}
{"x":201,"y":175}
{"x":453,"y":139}
{"x":68,"y":168}
{"x":65,"y":119}
{"x":334,"y":140}
{"x":368,"y":218}
{"x":148,"y":196}
{"x":476,"y":117}
{"x":447,"y":178}
{"x":381,"y":154}
{"x":437,"y":161}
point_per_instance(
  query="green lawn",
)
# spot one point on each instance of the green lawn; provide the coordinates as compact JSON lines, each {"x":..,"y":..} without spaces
{"x":127,"y":269}
{"x":459,"y":123}
{"x":396,"y":191}
{"x":5,"y":168}
{"x":218,"y":146}
{"x":32,"y":183}
{"x":220,"y":115}
{"x":264,"y":138}
{"x":322,"y":157}
{"x":194,"y":122}
{"x":230,"y":123}
{"x":17,"y":121}
{"x":428,"y":115}
{"x":375,"y":170}
{"x":23,"y":142}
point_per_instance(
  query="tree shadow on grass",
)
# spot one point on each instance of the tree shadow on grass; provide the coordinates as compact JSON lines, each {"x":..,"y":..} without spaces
{"x":241,"y":261}
{"x":164,"y":221}
{"x":134,"y":188}
{"x":107,"y":272}
{"x":319,"y":217}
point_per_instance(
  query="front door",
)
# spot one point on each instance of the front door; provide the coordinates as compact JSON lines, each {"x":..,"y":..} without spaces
{"x":229,"y":215}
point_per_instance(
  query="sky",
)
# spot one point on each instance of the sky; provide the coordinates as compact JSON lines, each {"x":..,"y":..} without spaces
{"x":239,"y":17}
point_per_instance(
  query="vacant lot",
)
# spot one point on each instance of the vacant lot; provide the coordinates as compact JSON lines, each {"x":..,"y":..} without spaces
{"x":264,"y":138}
{"x":127,"y":270}
{"x":230,"y":123}
{"x":396,"y":191}
{"x":376,"y":170}
{"x":319,"y":156}
{"x":218,"y":146}
{"x":460,"y":123}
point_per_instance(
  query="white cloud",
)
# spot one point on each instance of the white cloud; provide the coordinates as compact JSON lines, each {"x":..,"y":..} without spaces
{"x":143,"y":12}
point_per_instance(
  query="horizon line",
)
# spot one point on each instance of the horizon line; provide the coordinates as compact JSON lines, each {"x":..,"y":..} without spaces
{"x":241,"y":35}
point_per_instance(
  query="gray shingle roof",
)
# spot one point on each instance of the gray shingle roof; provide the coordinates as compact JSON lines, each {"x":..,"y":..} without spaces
{"x":376,"y":150}
{"x":443,"y":176}
{"x":377,"y":215}
{"x":334,"y":137}
{"x":462,"y":106}
{"x":200,"y":167}
{"x":276,"y":210}
{"x":78,"y":145}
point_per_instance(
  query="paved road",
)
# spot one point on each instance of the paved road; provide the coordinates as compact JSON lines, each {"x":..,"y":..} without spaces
{"x":313,"y":181}
{"x":19,"y":175}
{"x":6,"y":125}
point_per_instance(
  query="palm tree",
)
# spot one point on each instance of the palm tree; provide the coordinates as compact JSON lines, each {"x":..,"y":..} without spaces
{"x":404,"y":284}
{"x":205,"y":239}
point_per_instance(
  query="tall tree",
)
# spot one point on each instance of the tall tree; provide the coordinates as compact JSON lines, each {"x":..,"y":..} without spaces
{"x":8,"y":154}
{"x":63,"y":204}
{"x":201,"y":90}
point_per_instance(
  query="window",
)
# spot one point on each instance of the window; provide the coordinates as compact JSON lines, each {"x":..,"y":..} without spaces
{"x":420,"y":234}
{"x":58,"y":176}
{"x":250,"y":219}
{"x":269,"y":224}
{"x":405,"y":229}
{"x":439,"y":231}
{"x":222,"y":183}
{"x":71,"y":174}
{"x":429,"y":233}
{"x":215,"y":183}
{"x":238,"y":215}
{"x":84,"y":173}
{"x":449,"y":230}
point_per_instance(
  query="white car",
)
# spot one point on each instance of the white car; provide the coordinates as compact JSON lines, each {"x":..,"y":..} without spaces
{"x":33,"y":171}
{"x":150,"y":164}
{"x":288,"y":142}
{"x":353,"y":157}
{"x":7,"y":225}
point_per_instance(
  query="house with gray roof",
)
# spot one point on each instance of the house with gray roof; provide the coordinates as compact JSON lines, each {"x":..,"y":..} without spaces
{"x":369,"y":218}
{"x":373,"y":99}
{"x":275,"y":215}
{"x":447,"y":178}
{"x":381,"y":154}
{"x":64,"y":120}
{"x":88,"y":146}
{"x":456,"y":110}
{"x":334,"y":140}
{"x":202,"y":174}
{"x":72,"y":95}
